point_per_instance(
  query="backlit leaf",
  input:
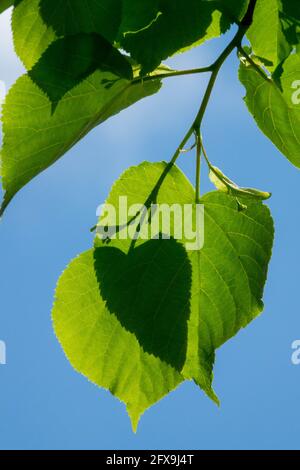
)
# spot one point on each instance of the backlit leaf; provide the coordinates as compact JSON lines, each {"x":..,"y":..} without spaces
{"x":275,"y":107}
{"x":35,"y":137}
{"x":140,"y":317}
{"x":70,"y":60}
{"x":266,"y":34}
{"x":31,"y":35}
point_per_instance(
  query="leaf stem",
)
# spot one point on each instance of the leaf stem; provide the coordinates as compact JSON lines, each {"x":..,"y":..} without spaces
{"x":214,"y":69}
{"x":236,"y":42}
{"x":196,"y":126}
{"x":254,"y":65}
{"x":198,"y":165}
{"x":176,"y":73}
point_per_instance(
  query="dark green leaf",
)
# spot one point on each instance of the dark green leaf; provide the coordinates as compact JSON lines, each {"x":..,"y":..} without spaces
{"x":36,"y":25}
{"x":70,"y":60}
{"x":5,"y":4}
{"x":290,"y":17}
{"x":138,"y":15}
{"x":180,"y":25}
{"x":76,"y":16}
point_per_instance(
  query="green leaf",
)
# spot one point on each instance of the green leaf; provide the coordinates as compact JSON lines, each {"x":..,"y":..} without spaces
{"x":100,"y":347}
{"x":96,"y":16}
{"x":267,"y":37}
{"x":181,"y":25}
{"x":150,"y":31}
{"x":34,"y":137}
{"x":276,"y":109}
{"x":31,"y":35}
{"x":229,"y":274}
{"x":290,"y":18}
{"x":109,"y":18}
{"x":234,"y":9}
{"x":70,"y":60}
{"x":5,"y":4}
{"x":38,"y":23}
{"x":137,"y":15}
{"x":174,"y":305}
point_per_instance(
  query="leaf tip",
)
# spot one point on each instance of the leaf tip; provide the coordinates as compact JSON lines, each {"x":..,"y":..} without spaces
{"x":134,"y":419}
{"x":5,"y":202}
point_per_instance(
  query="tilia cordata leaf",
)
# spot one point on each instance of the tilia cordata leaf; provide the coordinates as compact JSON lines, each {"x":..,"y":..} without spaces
{"x":275,"y":104}
{"x":179,"y":26}
{"x":267,"y":38}
{"x":36,"y":135}
{"x":138,"y":315}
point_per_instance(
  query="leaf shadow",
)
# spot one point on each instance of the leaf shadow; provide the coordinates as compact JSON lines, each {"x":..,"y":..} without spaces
{"x":149,"y":291}
{"x":70,"y":60}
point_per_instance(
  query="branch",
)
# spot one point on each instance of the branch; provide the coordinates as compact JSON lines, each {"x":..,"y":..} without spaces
{"x":214,"y":69}
{"x":236,"y":42}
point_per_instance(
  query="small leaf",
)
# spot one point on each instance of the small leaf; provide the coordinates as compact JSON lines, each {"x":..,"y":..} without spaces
{"x":224,"y":184}
{"x":275,"y":108}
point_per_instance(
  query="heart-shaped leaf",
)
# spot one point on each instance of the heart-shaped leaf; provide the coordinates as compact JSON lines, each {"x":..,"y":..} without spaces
{"x":169,"y":301}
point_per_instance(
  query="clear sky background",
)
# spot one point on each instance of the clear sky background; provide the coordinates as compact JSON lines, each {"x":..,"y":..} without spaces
{"x":44,"y":403}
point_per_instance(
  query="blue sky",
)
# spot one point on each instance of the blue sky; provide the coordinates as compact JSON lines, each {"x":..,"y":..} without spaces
{"x":44,"y":404}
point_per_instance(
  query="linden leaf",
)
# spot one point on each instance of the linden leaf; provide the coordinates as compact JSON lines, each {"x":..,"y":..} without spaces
{"x":138,"y":316}
{"x":267,"y":37}
{"x":180,"y":25}
{"x":35,"y":137}
{"x":73,"y":17}
{"x":275,"y":105}
{"x":70,"y":60}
